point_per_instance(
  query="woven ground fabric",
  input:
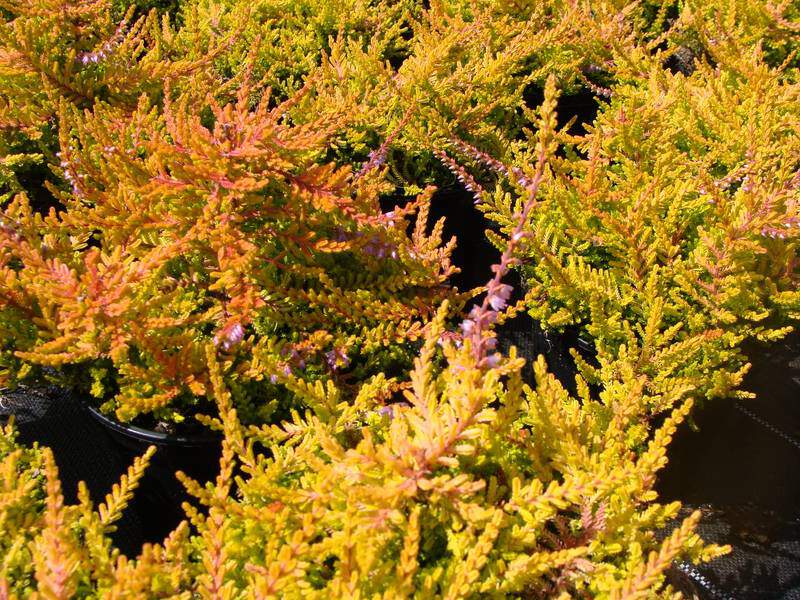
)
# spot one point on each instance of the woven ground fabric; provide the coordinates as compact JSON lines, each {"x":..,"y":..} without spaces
{"x":764,"y":562}
{"x":740,"y":467}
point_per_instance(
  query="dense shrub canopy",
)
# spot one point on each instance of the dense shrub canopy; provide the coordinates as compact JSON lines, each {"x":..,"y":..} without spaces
{"x":194,"y":220}
{"x":674,"y":216}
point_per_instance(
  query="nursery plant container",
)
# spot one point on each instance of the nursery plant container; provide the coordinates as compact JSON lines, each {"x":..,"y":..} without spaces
{"x":160,"y":495}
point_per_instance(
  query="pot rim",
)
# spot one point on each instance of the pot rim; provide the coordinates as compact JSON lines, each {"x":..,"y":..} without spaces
{"x":148,"y":435}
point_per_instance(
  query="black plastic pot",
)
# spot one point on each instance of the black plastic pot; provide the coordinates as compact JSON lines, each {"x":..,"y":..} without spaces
{"x":160,"y":495}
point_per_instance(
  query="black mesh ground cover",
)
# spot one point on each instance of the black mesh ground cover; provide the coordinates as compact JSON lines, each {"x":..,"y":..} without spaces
{"x":740,"y":466}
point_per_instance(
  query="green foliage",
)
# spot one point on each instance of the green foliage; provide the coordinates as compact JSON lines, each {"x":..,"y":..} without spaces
{"x":465,"y":71}
{"x":177,"y":233}
{"x":218,"y":169}
{"x":475,"y":486}
{"x":722,"y":30}
{"x":79,"y":53}
{"x":674,"y":219}
{"x":73,"y":51}
{"x":169,"y":7}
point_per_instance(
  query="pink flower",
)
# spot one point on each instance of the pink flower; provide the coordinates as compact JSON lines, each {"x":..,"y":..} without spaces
{"x":497,"y":303}
{"x":483,"y":318}
{"x":499,"y":295}
{"x":375,"y":160}
{"x":230,"y":335}
{"x":467,"y":326}
{"x":493,"y":360}
{"x":386,"y":411}
{"x":337,"y":358}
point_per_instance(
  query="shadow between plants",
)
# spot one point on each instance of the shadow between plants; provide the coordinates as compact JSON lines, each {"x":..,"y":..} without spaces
{"x":84,"y":451}
{"x":740,"y":466}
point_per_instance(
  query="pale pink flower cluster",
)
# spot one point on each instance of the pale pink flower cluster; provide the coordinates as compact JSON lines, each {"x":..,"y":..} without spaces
{"x":477,"y":327}
{"x":492,"y":163}
{"x":230,"y":336}
{"x":461,"y":174}
{"x":105,"y":50}
{"x":337,"y":359}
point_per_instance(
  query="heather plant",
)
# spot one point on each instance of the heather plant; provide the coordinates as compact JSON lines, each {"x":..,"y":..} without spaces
{"x":378,"y":59}
{"x":78,"y":52}
{"x":676,"y":213}
{"x":473,"y":485}
{"x":470,"y":484}
{"x":207,"y":222}
{"x":168,"y":7}
{"x":412,"y":75}
{"x":298,"y":36}
{"x":464,"y":73}
{"x":716,"y":28}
